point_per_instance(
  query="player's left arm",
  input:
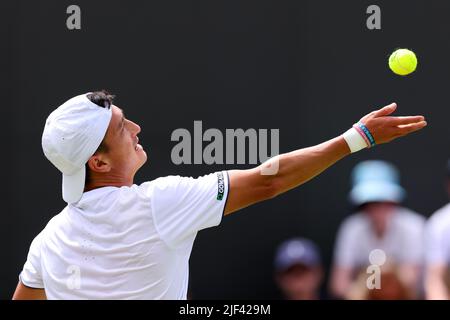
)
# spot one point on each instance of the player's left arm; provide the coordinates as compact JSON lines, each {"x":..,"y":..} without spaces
{"x":26,"y":293}
{"x":295,"y":168}
{"x":251,"y":186}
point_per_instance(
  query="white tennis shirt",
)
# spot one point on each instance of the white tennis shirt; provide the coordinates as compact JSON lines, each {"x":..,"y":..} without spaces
{"x":128,"y":242}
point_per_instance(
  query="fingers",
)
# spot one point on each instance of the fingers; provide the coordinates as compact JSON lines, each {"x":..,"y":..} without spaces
{"x":387,"y":110}
{"x":397,"y":121}
{"x":411,"y":127}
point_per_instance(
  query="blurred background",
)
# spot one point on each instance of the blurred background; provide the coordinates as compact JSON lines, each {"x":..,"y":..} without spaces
{"x":308,"y":68}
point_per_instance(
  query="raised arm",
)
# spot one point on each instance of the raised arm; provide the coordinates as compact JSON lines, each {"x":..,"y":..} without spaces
{"x":286,"y":171}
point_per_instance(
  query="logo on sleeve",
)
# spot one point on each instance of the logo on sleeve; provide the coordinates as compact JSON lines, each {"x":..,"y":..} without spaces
{"x":220,"y":186}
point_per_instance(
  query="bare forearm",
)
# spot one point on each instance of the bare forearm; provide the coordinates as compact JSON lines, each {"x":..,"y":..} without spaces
{"x":297,"y":167}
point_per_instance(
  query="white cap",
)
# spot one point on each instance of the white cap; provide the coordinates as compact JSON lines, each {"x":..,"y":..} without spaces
{"x":72,"y":134}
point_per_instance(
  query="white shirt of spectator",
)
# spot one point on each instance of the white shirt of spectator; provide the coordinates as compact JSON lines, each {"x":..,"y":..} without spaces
{"x":402,"y":242}
{"x":437,"y":238}
{"x":128,"y":242}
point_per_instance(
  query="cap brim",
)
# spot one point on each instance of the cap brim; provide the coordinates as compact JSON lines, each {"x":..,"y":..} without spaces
{"x":73,"y":186}
{"x":376,"y":192}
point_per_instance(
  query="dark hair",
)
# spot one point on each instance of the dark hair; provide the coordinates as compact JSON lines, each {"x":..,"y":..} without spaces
{"x":103,"y":99}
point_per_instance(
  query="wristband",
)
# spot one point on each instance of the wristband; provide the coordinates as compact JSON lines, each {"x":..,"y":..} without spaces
{"x":361,"y":132}
{"x":367,"y":133}
{"x":355,"y":140}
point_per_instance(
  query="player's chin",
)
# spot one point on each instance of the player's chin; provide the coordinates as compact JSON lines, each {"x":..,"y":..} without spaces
{"x":142,"y":157}
{"x":140,"y":161}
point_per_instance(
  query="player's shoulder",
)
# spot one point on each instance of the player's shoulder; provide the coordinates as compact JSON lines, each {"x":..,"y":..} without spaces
{"x":166,"y":181}
{"x":173,"y":181}
{"x":160,"y":183}
{"x":48,"y":229}
{"x":54,"y":221}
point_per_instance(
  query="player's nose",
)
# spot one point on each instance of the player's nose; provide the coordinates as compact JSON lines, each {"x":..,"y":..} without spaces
{"x":136,"y":128}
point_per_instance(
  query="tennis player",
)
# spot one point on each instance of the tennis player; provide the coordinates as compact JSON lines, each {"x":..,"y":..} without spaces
{"x":119,"y":240}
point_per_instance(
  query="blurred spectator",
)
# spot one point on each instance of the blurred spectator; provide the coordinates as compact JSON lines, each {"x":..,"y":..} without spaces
{"x":437,"y":276}
{"x":298,"y":269}
{"x":379,"y":223}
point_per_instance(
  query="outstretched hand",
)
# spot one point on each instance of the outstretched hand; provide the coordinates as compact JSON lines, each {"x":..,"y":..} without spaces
{"x":385,"y":128}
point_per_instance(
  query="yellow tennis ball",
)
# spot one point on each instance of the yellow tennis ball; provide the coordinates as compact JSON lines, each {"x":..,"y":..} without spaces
{"x":403,"y":62}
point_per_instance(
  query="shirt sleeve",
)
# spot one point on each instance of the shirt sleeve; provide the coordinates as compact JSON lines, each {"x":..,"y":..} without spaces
{"x":31,"y":275}
{"x":182,"y":206}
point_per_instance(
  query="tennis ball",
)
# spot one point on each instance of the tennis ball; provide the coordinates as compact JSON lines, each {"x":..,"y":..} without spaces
{"x":403,"y":62}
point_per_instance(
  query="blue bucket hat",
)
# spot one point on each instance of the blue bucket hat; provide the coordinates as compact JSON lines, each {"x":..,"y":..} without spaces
{"x":376,"y":181}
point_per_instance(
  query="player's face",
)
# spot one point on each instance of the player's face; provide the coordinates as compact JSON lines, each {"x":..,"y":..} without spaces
{"x":126,"y":155}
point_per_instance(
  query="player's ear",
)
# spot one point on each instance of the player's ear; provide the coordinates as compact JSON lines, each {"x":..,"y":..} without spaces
{"x":99,"y":163}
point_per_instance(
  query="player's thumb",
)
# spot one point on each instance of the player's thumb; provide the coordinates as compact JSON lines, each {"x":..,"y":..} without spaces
{"x":387,"y":110}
